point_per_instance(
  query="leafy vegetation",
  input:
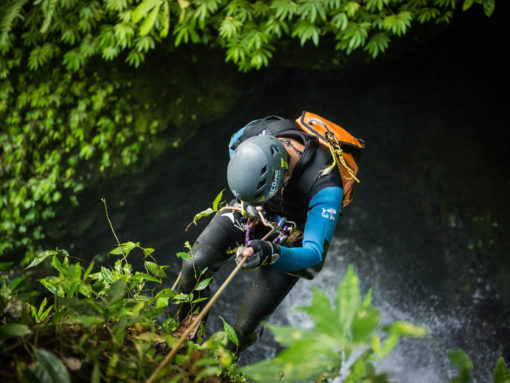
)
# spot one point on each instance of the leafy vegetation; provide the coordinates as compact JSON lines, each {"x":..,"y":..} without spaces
{"x":344,"y":343}
{"x":112,"y":324}
{"x":461,"y":360}
{"x":99,"y":325}
{"x":104,"y":324}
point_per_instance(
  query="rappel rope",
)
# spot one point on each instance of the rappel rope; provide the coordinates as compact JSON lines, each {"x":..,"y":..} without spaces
{"x":280,"y":228}
{"x":338,"y":158}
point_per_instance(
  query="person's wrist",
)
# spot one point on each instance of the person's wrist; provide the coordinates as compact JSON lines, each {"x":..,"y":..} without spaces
{"x":274,"y":253}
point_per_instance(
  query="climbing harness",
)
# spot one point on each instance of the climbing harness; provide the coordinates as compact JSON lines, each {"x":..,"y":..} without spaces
{"x":283,"y":229}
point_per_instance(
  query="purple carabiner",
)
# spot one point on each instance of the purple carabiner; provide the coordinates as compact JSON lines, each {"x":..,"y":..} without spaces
{"x":281,"y":235}
{"x":249,"y":227}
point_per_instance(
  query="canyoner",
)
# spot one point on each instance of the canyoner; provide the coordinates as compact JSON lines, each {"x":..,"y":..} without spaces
{"x":303,"y":170}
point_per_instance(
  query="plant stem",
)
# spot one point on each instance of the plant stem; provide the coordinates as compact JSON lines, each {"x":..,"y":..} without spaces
{"x":113,"y":230}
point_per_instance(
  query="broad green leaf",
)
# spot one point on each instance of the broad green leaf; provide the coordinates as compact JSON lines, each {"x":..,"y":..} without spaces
{"x":216,"y":203}
{"x":181,"y":297}
{"x":488,"y":7}
{"x":231,"y":333}
{"x":162,"y":302}
{"x":166,"y":20}
{"x":389,"y":344}
{"x":166,"y":293}
{"x":359,"y":369}
{"x":125,"y":248}
{"x":107,"y":275}
{"x":340,"y":20}
{"x":41,"y":257}
{"x":148,"y":251}
{"x":351,"y":8}
{"x":115,"y":292}
{"x":407,"y":329}
{"x":288,"y":335}
{"x":53,"y":285}
{"x":155,"y":269}
{"x":203,"y":284}
{"x":152,"y":267}
{"x":183,"y":255}
{"x":41,"y":314}
{"x":501,"y":372}
{"x":460,"y":359}
{"x":96,"y":373}
{"x":143,"y":9}
{"x":16,"y":282}
{"x":467,"y":4}
{"x":202,"y":214}
{"x":347,"y":300}
{"x":323,"y":315}
{"x":303,"y":361}
{"x":50,"y":368}
{"x":14,"y":329}
{"x":88,"y":271}
{"x":378,"y":43}
{"x":376,"y":345}
{"x":398,"y":23}
{"x":147,"y":25}
{"x":367,"y":300}
{"x":146,"y":277}
{"x":365,"y":323}
{"x":375,"y":4}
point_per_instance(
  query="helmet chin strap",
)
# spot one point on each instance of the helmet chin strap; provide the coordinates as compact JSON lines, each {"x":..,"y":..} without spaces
{"x":294,"y":156}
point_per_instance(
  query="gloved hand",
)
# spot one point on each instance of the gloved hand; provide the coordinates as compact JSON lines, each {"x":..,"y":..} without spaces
{"x":264,"y":253}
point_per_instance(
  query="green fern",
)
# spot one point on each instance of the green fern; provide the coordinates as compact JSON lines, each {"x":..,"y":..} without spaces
{"x":10,"y":13}
{"x":48,"y":8}
{"x":377,"y":44}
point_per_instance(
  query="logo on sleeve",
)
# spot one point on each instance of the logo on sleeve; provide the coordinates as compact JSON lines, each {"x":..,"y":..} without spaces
{"x":329,"y":213}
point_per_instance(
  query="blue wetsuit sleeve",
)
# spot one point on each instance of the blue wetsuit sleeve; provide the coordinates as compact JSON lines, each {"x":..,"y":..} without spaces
{"x":322,"y":216}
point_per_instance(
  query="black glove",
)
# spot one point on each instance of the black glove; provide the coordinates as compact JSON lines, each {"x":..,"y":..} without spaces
{"x":264,"y":253}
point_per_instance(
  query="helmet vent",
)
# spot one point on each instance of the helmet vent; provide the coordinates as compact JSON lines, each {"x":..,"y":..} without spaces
{"x":274,"y":150}
{"x":263,"y":171}
{"x":261,"y":184}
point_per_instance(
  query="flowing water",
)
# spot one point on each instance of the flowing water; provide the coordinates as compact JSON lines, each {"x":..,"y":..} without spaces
{"x":433,"y":118}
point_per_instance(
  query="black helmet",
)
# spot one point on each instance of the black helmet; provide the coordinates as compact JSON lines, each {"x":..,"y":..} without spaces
{"x":255,"y":171}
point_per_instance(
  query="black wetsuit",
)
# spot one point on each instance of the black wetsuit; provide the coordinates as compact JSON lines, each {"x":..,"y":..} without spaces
{"x":312,"y":202}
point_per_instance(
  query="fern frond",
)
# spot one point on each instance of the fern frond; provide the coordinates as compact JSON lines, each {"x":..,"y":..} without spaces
{"x":48,"y":10}
{"x":10,"y":12}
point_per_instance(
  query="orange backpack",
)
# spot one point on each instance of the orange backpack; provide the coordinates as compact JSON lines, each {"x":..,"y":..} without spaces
{"x":340,"y":143}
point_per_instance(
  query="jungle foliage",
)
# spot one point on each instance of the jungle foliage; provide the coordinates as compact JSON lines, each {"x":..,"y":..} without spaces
{"x":88,"y":323}
{"x":66,"y":115}
{"x":100,"y":324}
